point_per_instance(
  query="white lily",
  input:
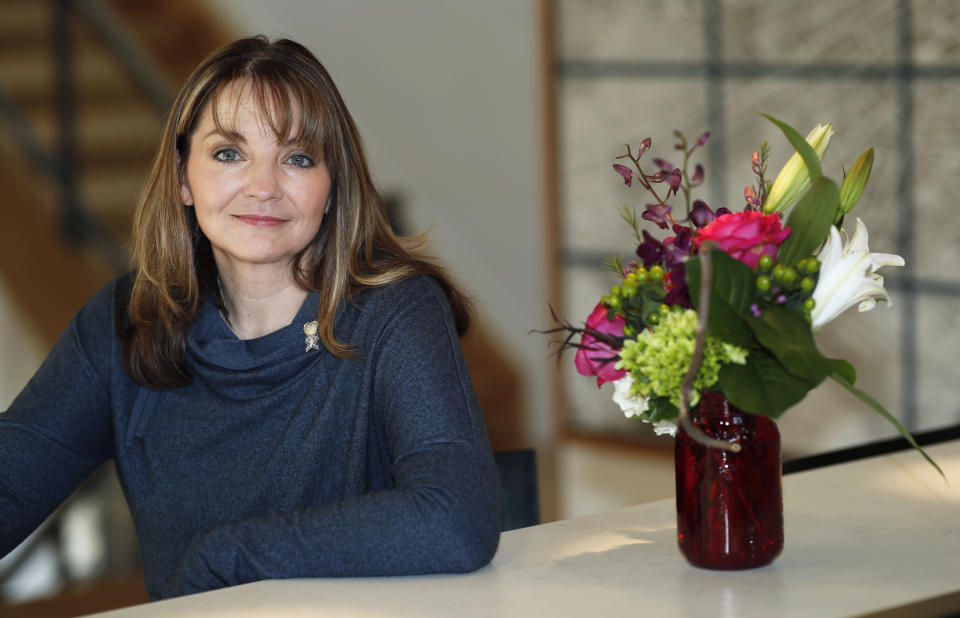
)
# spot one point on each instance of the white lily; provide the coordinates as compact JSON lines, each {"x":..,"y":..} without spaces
{"x":848,"y":276}
{"x":635,"y":405}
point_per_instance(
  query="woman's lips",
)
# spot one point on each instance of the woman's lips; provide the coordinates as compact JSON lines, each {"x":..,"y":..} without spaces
{"x":260,"y":220}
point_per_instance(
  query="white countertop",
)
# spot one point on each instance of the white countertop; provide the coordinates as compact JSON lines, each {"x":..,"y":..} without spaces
{"x":876,"y":536}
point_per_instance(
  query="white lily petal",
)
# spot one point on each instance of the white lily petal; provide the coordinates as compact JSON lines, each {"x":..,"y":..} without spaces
{"x":847,"y":276}
{"x":858,"y":244}
{"x":886,"y":259}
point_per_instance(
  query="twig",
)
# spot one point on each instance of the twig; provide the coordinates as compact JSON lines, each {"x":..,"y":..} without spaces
{"x":706,"y":272}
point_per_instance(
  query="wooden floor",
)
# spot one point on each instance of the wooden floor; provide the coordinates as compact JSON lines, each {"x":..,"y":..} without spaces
{"x":98,"y":596}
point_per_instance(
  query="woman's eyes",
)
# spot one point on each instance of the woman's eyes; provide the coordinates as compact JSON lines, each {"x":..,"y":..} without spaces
{"x":301,"y":160}
{"x":229,"y":155}
{"x":226,"y":155}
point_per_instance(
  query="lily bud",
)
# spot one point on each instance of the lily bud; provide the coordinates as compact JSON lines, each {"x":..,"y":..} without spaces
{"x":794,"y":178}
{"x":854,"y":183}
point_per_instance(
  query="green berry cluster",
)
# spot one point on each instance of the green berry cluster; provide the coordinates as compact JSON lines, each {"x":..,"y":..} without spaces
{"x":638,"y":297}
{"x":788,"y":285}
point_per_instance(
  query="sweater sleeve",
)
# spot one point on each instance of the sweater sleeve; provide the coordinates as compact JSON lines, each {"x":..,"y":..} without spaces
{"x":443,"y":515}
{"x":57,"y":430}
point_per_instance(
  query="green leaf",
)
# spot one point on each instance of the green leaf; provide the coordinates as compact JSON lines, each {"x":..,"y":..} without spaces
{"x":810,"y":222}
{"x":870,"y":401}
{"x":786,"y":334}
{"x":732,"y":290}
{"x":843,"y":368}
{"x":807,"y":153}
{"x":652,"y":299}
{"x":762,"y":385}
{"x":660,"y":409}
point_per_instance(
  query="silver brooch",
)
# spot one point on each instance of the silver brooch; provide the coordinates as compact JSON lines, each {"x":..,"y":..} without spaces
{"x":311,"y":339}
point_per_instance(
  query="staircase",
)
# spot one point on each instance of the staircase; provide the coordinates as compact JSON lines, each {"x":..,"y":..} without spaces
{"x":116,"y":129}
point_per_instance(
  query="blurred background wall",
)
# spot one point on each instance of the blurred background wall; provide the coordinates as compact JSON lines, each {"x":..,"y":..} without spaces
{"x":446,"y":98}
{"x":884,"y":73}
{"x":494,"y":124}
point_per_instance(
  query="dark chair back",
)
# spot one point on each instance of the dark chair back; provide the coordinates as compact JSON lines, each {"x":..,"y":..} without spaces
{"x":519,"y":496}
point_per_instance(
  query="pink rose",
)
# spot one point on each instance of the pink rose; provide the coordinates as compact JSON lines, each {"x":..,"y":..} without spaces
{"x":596,"y":357}
{"x":746,"y":236}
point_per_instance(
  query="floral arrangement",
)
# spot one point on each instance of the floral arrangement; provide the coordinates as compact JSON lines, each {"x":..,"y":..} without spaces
{"x":729,"y":301}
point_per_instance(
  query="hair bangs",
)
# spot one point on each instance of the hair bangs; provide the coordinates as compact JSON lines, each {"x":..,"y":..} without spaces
{"x":285,"y":104}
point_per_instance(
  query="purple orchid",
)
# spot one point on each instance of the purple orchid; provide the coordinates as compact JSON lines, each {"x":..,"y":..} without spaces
{"x":658,"y":214}
{"x":677,"y":284}
{"x":701,"y":215}
{"x":674,"y":179}
{"x":664,"y":165}
{"x":644,"y":146}
{"x":650,"y":250}
{"x":624,"y":171}
{"x":676,"y":249}
{"x":697,"y":179}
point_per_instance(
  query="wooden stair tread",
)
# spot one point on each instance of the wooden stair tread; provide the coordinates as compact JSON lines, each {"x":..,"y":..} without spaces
{"x":23,"y":22}
{"x":28,"y":74}
{"x":103,"y":132}
{"x":109,"y":192}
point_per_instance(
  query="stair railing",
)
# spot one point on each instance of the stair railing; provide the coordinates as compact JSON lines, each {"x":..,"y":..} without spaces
{"x":78,"y":224}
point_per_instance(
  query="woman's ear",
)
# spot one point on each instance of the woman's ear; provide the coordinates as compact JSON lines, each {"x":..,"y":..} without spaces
{"x":186,"y":195}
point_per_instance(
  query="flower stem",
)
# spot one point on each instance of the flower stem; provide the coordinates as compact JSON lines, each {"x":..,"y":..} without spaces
{"x":692,"y":430}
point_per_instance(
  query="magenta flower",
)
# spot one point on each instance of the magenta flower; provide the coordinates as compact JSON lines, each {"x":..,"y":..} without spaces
{"x":596,"y":355}
{"x":746,"y":236}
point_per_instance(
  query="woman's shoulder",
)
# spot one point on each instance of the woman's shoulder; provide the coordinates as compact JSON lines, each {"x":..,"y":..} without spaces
{"x":109,"y":298}
{"x":89,"y":340}
{"x":407,"y":304}
{"x":96,"y":321}
{"x":392,"y":299}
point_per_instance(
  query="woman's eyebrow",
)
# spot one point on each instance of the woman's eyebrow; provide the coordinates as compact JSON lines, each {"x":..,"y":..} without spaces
{"x":231,"y":135}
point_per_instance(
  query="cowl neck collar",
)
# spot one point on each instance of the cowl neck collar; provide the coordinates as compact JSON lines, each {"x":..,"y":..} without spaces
{"x":218,"y":356}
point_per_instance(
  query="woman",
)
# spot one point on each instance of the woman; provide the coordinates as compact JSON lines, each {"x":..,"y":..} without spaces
{"x":279,"y":381}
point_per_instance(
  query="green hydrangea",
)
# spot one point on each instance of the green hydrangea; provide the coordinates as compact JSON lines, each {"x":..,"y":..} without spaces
{"x":659,"y":358}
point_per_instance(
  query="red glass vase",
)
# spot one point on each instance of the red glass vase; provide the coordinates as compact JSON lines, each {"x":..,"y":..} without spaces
{"x":729,"y":505}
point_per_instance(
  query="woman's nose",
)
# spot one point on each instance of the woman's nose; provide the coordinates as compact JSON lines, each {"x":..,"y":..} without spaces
{"x":263,"y":182}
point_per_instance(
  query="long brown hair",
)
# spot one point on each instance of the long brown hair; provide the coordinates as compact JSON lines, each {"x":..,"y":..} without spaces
{"x":354,"y":249}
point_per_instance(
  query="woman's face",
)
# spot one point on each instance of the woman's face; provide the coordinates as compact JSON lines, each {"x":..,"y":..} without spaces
{"x":259,"y":202}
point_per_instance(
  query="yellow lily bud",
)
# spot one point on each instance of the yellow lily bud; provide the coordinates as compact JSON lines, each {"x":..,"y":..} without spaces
{"x":794,"y":178}
{"x":855,"y":182}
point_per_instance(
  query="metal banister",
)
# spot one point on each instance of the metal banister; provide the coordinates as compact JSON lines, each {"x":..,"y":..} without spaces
{"x":148,"y":76}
